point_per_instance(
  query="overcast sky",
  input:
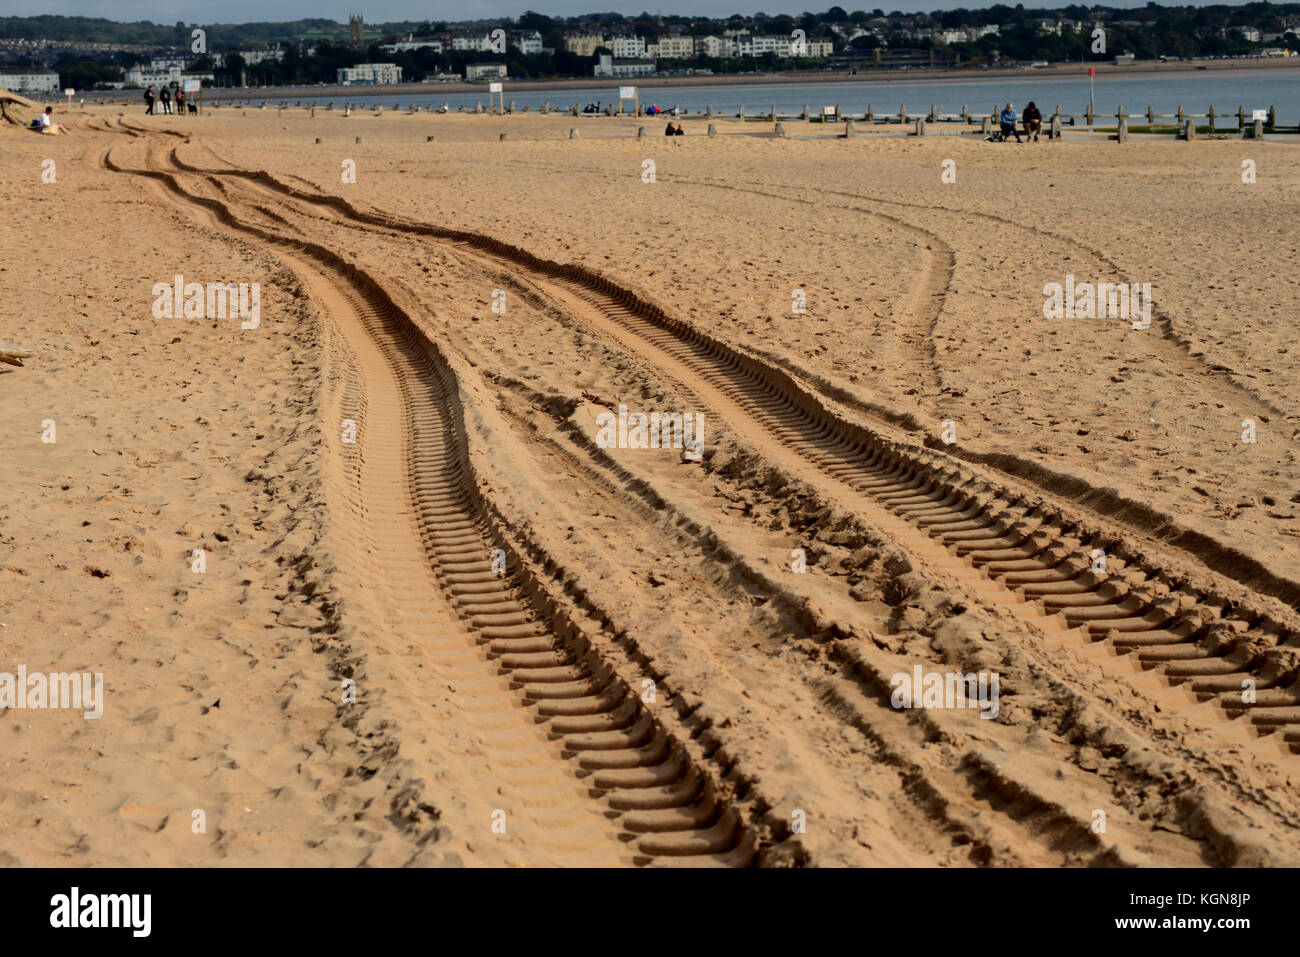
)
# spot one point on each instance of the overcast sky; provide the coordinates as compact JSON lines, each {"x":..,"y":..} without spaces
{"x":244,"y":11}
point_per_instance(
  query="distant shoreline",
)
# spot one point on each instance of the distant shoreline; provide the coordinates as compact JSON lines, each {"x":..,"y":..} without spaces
{"x":892,"y":75}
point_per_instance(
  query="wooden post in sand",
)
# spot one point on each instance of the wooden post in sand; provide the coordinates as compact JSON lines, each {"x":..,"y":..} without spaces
{"x":1151,"y":119}
{"x":1272,"y":118}
{"x":1189,"y":130}
{"x":920,"y":126}
{"x":1241,"y":119}
{"x":780,"y":130}
{"x":573,"y":133}
{"x":1121,"y":126}
{"x":1258,"y":131}
{"x":742,"y":112}
{"x":965,"y":114}
{"x":640,"y":132}
{"x":934,"y":113}
{"x":986,"y":125}
{"x":713,"y":130}
{"x":1054,"y":132}
{"x":708,"y":111}
{"x":1211,"y":116}
{"x":871,"y":114}
{"x":850,"y":129}
{"x":804,"y":117}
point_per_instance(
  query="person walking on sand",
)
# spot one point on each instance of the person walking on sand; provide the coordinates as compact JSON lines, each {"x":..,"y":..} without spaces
{"x":669,"y":131}
{"x":180,"y":101}
{"x":165,"y":98}
{"x":148,"y":101}
{"x":1008,"y":123}
{"x":1033,"y":121}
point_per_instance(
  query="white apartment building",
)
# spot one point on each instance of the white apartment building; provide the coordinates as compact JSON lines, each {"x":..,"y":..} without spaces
{"x":818,"y":48}
{"x":762,"y":45}
{"x":715,"y":46}
{"x":378,"y":74}
{"x":474,"y":43}
{"x":142,"y":76}
{"x":528,"y":42}
{"x":627,"y":47}
{"x":29,"y":80}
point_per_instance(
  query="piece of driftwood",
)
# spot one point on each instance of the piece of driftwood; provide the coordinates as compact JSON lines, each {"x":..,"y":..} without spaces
{"x":12,"y":356}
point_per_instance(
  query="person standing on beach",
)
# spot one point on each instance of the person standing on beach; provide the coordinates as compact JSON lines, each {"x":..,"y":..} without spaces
{"x":180,"y":101}
{"x":1033,"y":121}
{"x":165,"y":98}
{"x":148,"y":101}
{"x":1008,"y":123}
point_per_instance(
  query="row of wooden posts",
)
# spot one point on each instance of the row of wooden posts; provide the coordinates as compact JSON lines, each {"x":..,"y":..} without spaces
{"x":1184,"y":121}
{"x":1087,"y":118}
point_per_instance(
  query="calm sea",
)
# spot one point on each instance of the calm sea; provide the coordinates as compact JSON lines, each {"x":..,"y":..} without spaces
{"x":1194,"y":91}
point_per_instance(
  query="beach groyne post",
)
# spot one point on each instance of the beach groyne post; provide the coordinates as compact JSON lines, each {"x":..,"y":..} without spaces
{"x":1180,"y":114}
{"x":934,"y":113}
{"x":640,"y":132}
{"x":1189,"y":130}
{"x":1088,"y":115}
{"x":780,"y":130}
{"x":986,"y":125}
{"x":902,"y":114}
{"x":708,"y":111}
{"x":1241,"y":119}
{"x":1054,"y":132}
{"x":965,"y":114}
{"x":741,"y":114}
{"x":573,"y":132}
{"x":920,"y":126}
{"x":713,"y":130}
{"x":1151,"y":119}
{"x":1211,"y":115}
{"x":850,"y":129}
{"x":1121,"y":126}
{"x":1272,"y":118}
{"x":774,"y":115}
{"x":871,"y":114}
{"x":1258,"y":131}
{"x":804,"y":117}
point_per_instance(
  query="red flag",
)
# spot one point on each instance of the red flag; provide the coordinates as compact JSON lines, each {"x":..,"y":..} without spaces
{"x":1092,"y":71}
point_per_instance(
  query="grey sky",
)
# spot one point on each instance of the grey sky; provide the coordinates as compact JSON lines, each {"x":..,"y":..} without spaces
{"x":377,"y":11}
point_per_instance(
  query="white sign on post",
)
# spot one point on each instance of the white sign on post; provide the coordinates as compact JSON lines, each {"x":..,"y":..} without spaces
{"x":192,"y":86}
{"x":68,"y":93}
{"x":828,"y":111}
{"x":627,"y":93}
{"x":1259,"y":115}
{"x":494,"y":87}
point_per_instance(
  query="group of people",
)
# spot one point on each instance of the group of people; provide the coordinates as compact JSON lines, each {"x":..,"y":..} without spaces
{"x":164,"y":100}
{"x":1032,"y":118}
{"x":674,"y":130}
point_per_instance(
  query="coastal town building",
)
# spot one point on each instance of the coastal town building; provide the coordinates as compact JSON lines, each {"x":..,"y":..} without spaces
{"x":583,"y":44}
{"x":672,"y":48}
{"x":29,"y":80}
{"x":480,"y":71}
{"x":528,"y":43}
{"x":377,"y":74}
{"x":614,"y":66}
{"x":410,"y":43}
{"x":715,"y":46}
{"x":626,"y":47}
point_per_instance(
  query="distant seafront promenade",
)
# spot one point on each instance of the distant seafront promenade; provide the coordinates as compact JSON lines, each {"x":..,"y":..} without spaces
{"x":1226,"y":85}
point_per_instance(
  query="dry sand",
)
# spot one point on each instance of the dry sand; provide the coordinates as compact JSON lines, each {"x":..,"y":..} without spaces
{"x":329,"y":560}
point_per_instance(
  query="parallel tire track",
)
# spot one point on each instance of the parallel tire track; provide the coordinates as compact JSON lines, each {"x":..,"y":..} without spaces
{"x":1217,"y":649}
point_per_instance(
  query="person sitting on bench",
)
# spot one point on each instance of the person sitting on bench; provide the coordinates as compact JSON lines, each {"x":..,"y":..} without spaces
{"x":1033,"y":120}
{"x":1008,"y":123}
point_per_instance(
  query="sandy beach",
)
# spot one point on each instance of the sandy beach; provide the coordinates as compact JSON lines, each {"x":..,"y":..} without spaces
{"x":369,"y":584}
